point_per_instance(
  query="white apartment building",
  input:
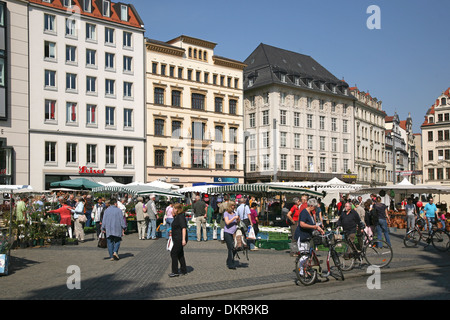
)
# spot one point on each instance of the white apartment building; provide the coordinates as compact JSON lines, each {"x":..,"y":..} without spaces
{"x":370,"y":141}
{"x":87,"y":96}
{"x":14,"y":164}
{"x":299,"y":119}
{"x":194,"y":113}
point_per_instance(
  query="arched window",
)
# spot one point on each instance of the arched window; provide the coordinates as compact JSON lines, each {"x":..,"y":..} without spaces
{"x":190,"y":52}
{"x":204,"y":55}
{"x":195,"y":53}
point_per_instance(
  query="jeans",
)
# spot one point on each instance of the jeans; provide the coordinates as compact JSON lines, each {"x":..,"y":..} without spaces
{"x":382,"y":228}
{"x":230,"y":246}
{"x":431,"y":221}
{"x":151,"y":232}
{"x":113,"y":245}
{"x":88,"y":217}
{"x":411,"y":221}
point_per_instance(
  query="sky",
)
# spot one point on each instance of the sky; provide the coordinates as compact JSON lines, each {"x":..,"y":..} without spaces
{"x":405,"y":62}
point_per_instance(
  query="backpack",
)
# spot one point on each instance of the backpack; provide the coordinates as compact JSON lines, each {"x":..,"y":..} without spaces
{"x":239,"y":240}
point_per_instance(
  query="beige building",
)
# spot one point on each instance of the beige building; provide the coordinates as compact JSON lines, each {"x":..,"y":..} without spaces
{"x":194,"y":113}
{"x":436,"y":142}
{"x":370,"y":142}
{"x":14,"y":101}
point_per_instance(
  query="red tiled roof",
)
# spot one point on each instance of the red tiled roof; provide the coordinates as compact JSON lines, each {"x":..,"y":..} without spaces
{"x":389,"y":119}
{"x":403,"y":124}
{"x":133,"y":18}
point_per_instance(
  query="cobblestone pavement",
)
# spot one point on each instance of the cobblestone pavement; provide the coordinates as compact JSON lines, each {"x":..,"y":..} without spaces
{"x":142,"y":272}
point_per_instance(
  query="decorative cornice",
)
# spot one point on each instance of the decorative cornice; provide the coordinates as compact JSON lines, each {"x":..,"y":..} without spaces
{"x":229,"y":63}
{"x":179,"y":52}
{"x":194,"y":41}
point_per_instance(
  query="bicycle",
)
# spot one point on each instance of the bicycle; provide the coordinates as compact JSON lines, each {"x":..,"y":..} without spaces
{"x":376,"y":252}
{"x":308,"y":270}
{"x":440,"y":239}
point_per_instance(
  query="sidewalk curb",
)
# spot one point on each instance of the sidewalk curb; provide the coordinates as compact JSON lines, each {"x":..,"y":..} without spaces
{"x":222,"y":293}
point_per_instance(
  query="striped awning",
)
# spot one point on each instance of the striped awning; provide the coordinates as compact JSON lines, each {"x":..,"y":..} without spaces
{"x":263,"y":189}
{"x":139,"y":190}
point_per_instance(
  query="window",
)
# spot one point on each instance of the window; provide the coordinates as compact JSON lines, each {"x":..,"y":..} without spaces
{"x":310,"y":142}
{"x":322,"y":143}
{"x":252,"y":164}
{"x":252,"y":141}
{"x":163,"y":69}
{"x":67,"y":3}
{"x":50,"y":110}
{"x":110,"y":155}
{"x":71,"y":152}
{"x":218,"y":133}
{"x":345,"y":165}
{"x":154,"y":67}
{"x":90,"y":57}
{"x":50,"y":78}
{"x":159,"y":158}
{"x":345,"y":146}
{"x":430,"y":155}
{"x":50,"y":50}
{"x":180,"y":73}
{"x":430,"y":135}
{"x":198,"y":101}
{"x":430,"y":174}
{"x":124,"y":12}
{"x":266,"y":162}
{"x":91,"y":84}
{"x":218,"y":103}
{"x":322,"y":123}
{"x":128,"y":156}
{"x":91,"y":32}
{"x":309,"y":121}
{"x":110,"y":87}
{"x":233,"y":106}
{"x":297,"y":163}
{"x":87,"y":5}
{"x":252,"y":119}
{"x":232,"y":135}
{"x":233,"y":161}
{"x":127,"y":118}
{"x":199,"y":158}
{"x":297,"y":137}
{"x":345,"y":126}
{"x":110,"y":112}
{"x":127,"y":90}
{"x":334,"y":165}
{"x":106,"y":8}
{"x":265,"y":139}
{"x":265,"y":117}
{"x":50,"y":151}
{"x":71,"y":54}
{"x":296,"y":119}
{"x":71,"y":81}
{"x":333,"y":144}
{"x":109,"y":36}
{"x":159,"y":96}
{"x":176,"y":98}
{"x":198,"y":130}
{"x":333,"y":124}
{"x":91,"y":112}
{"x":127,"y":39}
{"x":283,"y":117}
{"x":49,"y":23}
{"x":310,"y":164}
{"x":283,"y":138}
{"x":176,"y":129}
{"x":127,"y":64}
{"x":71,"y":27}
{"x":322,"y":164}
{"x":159,"y":127}
{"x":71,"y":112}
{"x":91,"y":153}
{"x":109,"y":60}
{"x":176,"y":158}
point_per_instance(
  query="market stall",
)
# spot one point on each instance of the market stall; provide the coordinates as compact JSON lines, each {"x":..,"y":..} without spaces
{"x":6,"y":230}
{"x":78,"y":184}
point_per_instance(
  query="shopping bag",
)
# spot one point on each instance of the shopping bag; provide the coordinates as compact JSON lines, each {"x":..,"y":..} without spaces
{"x":251,"y":233}
{"x":102,"y":241}
{"x":215,"y":232}
{"x":169,"y":244}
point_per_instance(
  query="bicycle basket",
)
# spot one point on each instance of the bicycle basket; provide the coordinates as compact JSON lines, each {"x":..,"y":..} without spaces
{"x":317,"y":240}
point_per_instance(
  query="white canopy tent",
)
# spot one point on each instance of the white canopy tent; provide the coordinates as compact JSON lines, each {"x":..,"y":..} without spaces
{"x":162,"y":185}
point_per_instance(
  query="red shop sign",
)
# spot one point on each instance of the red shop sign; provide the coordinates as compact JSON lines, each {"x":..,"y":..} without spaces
{"x":86,"y":170}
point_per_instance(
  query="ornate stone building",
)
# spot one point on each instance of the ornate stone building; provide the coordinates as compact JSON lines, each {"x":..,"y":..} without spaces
{"x":299,"y":119}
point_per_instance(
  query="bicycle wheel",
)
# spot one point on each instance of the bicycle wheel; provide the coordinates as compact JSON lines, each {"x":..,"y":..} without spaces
{"x":411,"y":239}
{"x":345,"y":255}
{"x":378,"y":253}
{"x":306,"y":275}
{"x":335,"y":265}
{"x":440,"y":240}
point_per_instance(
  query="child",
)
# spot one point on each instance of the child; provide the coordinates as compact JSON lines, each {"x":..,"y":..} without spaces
{"x":443,"y":219}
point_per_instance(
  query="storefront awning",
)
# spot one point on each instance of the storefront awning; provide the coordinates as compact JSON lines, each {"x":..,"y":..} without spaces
{"x":263,"y":189}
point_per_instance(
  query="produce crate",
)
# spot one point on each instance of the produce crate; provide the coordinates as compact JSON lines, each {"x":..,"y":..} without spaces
{"x":273,"y":244}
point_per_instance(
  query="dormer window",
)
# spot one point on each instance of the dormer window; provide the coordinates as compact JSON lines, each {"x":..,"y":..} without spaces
{"x":309,"y":84}
{"x":251,"y":81}
{"x":283,"y":77}
{"x":124,"y":12}
{"x":106,"y":8}
{"x":67,"y":3}
{"x":322,"y":86}
{"x":87,"y":5}
{"x":431,"y":120}
{"x":443,"y":101}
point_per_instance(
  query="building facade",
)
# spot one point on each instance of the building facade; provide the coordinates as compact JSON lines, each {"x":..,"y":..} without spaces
{"x":370,"y":141}
{"x":194,"y":113}
{"x":87,"y":96}
{"x":299,"y":119}
{"x":14,"y":158}
{"x":436,"y":142}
